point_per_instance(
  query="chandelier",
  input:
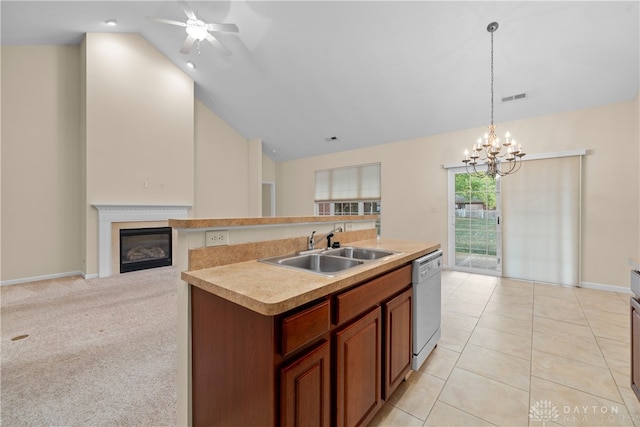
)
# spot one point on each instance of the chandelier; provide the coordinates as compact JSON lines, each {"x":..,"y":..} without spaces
{"x":501,"y":158}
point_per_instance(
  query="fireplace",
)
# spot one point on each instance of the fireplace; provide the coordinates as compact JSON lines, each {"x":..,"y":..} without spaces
{"x":143,"y":248}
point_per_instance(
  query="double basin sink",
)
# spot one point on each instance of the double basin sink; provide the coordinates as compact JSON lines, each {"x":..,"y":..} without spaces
{"x":330,"y":261}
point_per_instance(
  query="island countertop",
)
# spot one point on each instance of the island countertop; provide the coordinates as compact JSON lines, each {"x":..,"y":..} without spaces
{"x":271,"y":290}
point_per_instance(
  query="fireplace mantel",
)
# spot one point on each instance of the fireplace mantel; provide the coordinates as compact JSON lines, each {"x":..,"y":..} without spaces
{"x":108,"y":214}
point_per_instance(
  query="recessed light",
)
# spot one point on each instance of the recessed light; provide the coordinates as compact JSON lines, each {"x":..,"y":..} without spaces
{"x":111,"y":22}
{"x":191,"y":65}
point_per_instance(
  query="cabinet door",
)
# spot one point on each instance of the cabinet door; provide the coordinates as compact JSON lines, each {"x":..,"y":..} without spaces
{"x":305,"y":390}
{"x":398,"y":351}
{"x":359,"y":370}
{"x":635,"y":347}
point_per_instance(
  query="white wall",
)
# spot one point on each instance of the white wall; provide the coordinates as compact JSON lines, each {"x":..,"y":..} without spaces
{"x":414,"y":183}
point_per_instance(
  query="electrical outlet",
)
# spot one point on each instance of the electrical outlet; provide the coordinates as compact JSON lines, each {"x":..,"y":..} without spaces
{"x":217,"y":237}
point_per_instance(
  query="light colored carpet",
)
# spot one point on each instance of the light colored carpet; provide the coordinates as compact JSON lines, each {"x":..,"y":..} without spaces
{"x":99,"y":352}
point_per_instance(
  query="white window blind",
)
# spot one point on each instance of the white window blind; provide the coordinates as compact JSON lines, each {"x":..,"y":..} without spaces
{"x":349,"y":183}
{"x":541,"y":221}
{"x":323,"y":185}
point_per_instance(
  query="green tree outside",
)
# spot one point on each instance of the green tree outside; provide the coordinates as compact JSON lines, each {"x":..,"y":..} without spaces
{"x":475,"y":230}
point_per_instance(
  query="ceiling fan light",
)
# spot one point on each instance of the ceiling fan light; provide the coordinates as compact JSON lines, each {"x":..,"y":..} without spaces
{"x":197,"y":29}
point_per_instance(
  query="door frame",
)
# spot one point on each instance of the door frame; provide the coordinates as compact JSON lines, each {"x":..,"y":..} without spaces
{"x":451,"y":226}
{"x":270,"y":198}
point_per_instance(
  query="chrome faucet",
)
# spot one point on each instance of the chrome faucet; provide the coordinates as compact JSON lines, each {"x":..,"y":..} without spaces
{"x":311,"y":243}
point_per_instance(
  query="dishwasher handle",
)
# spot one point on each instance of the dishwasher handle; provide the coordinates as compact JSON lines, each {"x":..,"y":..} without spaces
{"x":429,"y":257}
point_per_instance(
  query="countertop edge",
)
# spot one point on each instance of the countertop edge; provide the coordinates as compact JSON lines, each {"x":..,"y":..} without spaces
{"x":197,"y":223}
{"x":319,"y":286}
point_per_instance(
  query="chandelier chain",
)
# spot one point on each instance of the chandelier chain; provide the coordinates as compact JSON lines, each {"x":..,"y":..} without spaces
{"x":500,"y":157}
{"x":492,"y":78}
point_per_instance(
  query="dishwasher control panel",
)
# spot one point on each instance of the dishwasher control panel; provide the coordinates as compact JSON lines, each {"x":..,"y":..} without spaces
{"x":426,"y":266}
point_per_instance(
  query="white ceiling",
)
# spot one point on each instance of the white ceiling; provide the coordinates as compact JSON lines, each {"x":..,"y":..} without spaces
{"x":371,"y":72}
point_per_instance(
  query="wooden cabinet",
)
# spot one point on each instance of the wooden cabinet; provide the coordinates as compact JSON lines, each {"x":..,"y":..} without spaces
{"x":359,"y":370}
{"x":302,"y":328}
{"x":305,"y":390}
{"x":375,"y":292}
{"x":232,"y":363}
{"x":635,"y":347}
{"x":398,"y":341}
{"x":331,"y":362}
{"x":362,"y":373}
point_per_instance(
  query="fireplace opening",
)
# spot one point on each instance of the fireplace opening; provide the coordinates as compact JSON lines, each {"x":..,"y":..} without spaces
{"x":143,"y":248}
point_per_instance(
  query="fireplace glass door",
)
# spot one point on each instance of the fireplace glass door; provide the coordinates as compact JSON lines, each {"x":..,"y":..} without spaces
{"x":143,"y":248}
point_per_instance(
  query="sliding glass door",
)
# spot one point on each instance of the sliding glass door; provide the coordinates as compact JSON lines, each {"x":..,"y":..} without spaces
{"x":542,"y":208}
{"x":475,"y":243}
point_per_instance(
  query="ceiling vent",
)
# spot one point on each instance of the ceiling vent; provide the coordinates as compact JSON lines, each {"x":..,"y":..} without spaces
{"x":331,"y":139}
{"x":514,"y":97}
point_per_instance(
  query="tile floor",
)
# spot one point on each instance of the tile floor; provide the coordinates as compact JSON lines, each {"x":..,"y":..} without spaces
{"x":515,"y":353}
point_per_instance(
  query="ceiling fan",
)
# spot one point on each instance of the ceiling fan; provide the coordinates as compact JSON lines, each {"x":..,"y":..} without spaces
{"x":198,"y":30}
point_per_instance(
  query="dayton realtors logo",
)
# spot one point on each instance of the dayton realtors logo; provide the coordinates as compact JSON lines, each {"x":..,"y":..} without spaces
{"x":543,"y":410}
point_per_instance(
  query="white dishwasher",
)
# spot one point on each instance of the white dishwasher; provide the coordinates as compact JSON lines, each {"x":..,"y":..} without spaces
{"x":426,"y":305}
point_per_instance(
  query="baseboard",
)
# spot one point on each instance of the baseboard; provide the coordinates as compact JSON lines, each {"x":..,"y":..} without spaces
{"x":590,"y":285}
{"x":608,"y":288}
{"x":43,"y":277}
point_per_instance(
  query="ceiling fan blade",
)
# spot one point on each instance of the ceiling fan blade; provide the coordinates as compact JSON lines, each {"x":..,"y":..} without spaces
{"x":187,"y":45}
{"x":188,"y":11}
{"x":166,"y":21}
{"x":217,"y":44}
{"x":228,"y":28}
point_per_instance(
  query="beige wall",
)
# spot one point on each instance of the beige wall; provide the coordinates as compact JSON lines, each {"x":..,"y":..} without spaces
{"x":254,"y":188}
{"x":40,"y":161}
{"x":89,"y":124}
{"x":139,"y":129}
{"x":0,"y":168}
{"x":414,"y":183}
{"x":637,"y":206}
{"x":221,"y":165}
{"x":269,"y":184}
{"x":43,"y":160}
{"x":268,"y":169}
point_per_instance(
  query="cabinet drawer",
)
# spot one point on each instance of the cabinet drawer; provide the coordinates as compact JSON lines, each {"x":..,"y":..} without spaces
{"x":300,"y":328}
{"x":361,"y":298}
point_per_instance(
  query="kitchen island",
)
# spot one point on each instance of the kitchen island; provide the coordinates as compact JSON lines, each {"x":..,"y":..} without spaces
{"x":277,"y":346}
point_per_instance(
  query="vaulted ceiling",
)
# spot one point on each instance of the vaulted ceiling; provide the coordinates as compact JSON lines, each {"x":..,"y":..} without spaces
{"x":370,"y":72}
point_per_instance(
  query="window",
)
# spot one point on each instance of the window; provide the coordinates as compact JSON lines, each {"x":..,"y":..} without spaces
{"x":353,"y":190}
